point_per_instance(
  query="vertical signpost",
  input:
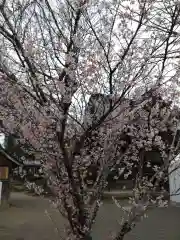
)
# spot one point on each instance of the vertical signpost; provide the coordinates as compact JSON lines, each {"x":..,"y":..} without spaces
{"x":4,"y":178}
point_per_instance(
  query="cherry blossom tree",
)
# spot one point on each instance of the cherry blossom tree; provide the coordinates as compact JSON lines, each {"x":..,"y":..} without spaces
{"x":54,"y":55}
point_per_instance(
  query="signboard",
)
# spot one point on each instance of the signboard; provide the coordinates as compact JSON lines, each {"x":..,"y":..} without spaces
{"x":4,"y":173}
{"x":31,"y":162}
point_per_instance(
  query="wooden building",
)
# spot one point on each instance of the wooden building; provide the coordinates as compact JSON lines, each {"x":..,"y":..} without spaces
{"x":7,"y":164}
{"x":31,"y":170}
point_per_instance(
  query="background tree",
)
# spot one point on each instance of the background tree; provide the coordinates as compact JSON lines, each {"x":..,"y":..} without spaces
{"x":15,"y":149}
{"x":12,"y":147}
{"x":54,"y":55}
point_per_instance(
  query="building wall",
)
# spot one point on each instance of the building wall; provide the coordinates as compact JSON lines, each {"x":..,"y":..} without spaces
{"x":4,"y":161}
{"x":174,"y":181}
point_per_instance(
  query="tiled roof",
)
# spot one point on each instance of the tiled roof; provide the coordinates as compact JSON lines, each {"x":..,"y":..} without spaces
{"x":3,"y":152}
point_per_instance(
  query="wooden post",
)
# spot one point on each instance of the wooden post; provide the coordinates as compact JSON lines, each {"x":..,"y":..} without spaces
{"x":5,"y":188}
{"x":0,"y":192}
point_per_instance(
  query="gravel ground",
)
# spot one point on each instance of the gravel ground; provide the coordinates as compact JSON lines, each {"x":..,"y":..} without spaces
{"x":27,"y":220}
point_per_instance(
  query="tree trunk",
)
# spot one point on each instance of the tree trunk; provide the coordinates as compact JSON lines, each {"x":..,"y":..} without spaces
{"x":124,"y":230}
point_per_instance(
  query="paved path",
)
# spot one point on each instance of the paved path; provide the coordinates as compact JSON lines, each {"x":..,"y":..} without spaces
{"x":161,"y":224}
{"x":26,"y":220}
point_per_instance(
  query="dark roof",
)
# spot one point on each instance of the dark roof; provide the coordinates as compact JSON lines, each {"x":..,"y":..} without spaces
{"x":3,"y":152}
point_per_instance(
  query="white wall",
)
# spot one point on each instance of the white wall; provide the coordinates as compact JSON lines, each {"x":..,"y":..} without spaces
{"x":174,"y":181}
{"x":2,"y":138}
